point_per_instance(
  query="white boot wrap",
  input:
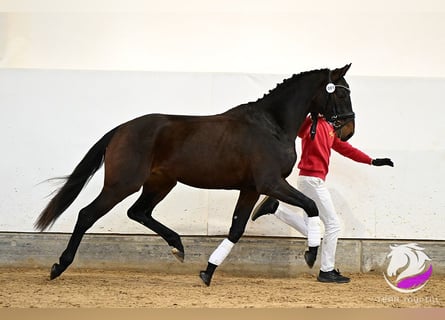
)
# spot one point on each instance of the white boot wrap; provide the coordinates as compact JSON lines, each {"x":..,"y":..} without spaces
{"x":221,"y":253}
{"x":313,"y":232}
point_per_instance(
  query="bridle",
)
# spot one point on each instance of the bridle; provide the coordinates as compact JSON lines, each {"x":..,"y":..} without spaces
{"x":336,"y":119}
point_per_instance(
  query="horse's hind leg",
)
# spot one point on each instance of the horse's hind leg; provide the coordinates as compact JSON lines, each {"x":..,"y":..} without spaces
{"x":244,"y":206}
{"x":106,"y":200}
{"x":153,"y":192}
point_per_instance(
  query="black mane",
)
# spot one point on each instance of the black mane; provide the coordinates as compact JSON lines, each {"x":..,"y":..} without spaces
{"x":280,"y":87}
{"x":278,"y":91}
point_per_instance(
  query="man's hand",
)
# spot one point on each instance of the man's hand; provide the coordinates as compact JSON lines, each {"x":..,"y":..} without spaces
{"x":382,"y":162}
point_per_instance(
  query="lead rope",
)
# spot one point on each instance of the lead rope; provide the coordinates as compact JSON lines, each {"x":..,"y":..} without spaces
{"x":314,"y":117}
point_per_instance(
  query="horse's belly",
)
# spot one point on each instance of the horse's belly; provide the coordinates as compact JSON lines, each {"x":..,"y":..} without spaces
{"x":214,"y":177}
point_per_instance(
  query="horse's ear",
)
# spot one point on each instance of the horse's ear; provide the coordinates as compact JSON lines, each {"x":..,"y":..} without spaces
{"x":339,"y":73}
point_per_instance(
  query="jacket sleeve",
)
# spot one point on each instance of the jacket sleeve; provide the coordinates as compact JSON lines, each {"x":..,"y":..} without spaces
{"x":347,"y":150}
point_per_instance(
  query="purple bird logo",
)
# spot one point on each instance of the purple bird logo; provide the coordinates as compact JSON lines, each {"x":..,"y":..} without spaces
{"x":409,"y":268}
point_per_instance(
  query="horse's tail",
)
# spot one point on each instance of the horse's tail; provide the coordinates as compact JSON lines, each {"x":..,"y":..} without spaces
{"x":75,"y":182}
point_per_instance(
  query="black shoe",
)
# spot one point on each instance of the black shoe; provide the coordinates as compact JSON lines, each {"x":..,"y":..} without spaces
{"x":267,"y":206}
{"x":310,"y":256}
{"x":332,"y":276}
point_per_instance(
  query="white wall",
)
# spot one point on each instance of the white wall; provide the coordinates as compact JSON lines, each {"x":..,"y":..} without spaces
{"x":381,"y":38}
{"x":60,"y":62}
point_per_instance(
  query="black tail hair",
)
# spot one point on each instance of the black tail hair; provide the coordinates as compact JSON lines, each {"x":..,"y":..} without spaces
{"x":75,"y":182}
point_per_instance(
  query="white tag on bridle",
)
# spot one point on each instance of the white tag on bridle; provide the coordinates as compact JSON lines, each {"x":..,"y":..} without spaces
{"x":330,"y":87}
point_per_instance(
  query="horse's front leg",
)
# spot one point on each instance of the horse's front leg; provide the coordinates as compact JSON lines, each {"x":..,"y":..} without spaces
{"x":283,"y":191}
{"x":244,"y":206}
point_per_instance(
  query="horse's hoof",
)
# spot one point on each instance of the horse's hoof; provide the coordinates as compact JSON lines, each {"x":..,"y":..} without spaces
{"x":205,"y":278}
{"x":55,"y":272}
{"x":178,"y":254}
{"x":309,"y":259}
{"x":310,"y":256}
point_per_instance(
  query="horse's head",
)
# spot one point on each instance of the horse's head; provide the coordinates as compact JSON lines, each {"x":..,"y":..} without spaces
{"x":334,"y":103}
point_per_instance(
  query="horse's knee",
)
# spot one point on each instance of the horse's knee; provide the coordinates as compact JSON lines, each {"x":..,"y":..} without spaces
{"x":235,"y":234}
{"x":311,"y":208}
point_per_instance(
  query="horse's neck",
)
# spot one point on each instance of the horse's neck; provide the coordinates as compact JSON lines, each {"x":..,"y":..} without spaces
{"x":283,"y":110}
{"x":291,"y":109}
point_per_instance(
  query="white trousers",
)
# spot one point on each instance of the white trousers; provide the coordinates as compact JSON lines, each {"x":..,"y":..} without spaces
{"x":315,"y":189}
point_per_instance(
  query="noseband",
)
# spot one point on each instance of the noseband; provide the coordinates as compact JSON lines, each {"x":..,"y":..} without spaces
{"x":338,"y":120}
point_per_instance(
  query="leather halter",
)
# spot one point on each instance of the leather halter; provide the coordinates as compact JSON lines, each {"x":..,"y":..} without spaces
{"x":336,"y":119}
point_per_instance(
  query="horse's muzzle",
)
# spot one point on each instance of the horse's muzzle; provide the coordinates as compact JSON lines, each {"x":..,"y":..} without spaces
{"x":345,"y":130}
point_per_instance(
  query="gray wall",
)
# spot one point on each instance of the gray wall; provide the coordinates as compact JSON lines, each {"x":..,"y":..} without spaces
{"x":275,"y":257}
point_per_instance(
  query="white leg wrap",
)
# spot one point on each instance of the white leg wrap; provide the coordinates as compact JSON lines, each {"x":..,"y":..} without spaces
{"x":313,"y":232}
{"x":221,"y":253}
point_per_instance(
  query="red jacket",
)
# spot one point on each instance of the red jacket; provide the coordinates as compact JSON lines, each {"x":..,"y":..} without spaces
{"x":315,"y":153}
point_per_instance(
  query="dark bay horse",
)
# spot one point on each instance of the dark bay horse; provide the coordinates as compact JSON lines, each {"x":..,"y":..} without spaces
{"x":250,"y":148}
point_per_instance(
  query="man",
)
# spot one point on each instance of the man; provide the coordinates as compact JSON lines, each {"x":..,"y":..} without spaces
{"x":314,"y":166}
